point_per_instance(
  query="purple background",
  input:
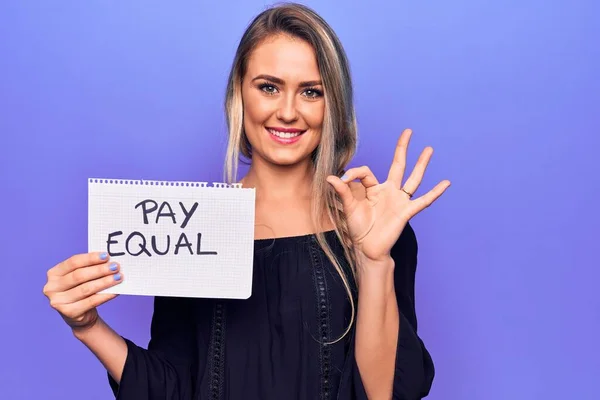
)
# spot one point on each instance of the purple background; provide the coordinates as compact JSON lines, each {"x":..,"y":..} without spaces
{"x":508,"y":93}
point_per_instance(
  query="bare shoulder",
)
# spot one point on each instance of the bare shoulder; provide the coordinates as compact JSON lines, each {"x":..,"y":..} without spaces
{"x":358,"y":190}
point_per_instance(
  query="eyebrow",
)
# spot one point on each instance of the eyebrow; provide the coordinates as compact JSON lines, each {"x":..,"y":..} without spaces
{"x":280,"y":81}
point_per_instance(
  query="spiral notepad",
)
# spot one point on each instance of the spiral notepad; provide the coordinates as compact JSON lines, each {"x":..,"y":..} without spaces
{"x":182,"y":239}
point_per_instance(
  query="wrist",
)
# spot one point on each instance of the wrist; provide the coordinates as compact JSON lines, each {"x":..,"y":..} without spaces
{"x":377,"y":274}
{"x":82,"y":332}
{"x":382,"y":262}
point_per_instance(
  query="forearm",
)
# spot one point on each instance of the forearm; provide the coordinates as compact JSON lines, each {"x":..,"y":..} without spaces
{"x":377,"y":329}
{"x":107,"y":346}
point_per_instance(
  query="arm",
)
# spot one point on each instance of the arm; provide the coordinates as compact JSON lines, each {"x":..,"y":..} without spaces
{"x":377,"y":219}
{"x":377,"y":327}
{"x":107,"y":346}
{"x":166,"y":370}
{"x":391,"y":359}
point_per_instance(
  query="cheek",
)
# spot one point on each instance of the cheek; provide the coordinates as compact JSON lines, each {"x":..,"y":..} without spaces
{"x":314,"y":115}
{"x":256,"y":110}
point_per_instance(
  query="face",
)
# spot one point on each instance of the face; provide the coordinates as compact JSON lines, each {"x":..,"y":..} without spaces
{"x":283,"y":101}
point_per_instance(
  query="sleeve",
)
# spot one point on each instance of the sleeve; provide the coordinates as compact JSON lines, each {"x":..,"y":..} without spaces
{"x":168,"y":368}
{"x":414,"y":369}
{"x":414,"y":366}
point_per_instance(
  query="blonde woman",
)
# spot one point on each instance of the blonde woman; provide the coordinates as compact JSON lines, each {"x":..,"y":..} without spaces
{"x":331,"y":315}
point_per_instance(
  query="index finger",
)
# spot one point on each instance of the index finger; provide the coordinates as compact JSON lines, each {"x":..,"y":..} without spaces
{"x":78,"y":261}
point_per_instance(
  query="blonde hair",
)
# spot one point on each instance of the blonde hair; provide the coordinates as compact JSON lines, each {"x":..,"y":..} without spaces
{"x":339,"y":131}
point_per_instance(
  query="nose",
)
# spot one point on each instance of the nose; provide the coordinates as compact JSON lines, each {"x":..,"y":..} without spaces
{"x":287,"y":111}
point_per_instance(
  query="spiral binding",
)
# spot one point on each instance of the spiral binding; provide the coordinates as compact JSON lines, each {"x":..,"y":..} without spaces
{"x":143,"y":182}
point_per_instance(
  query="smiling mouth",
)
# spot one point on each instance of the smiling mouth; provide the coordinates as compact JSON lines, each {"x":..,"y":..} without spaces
{"x":285,"y":134}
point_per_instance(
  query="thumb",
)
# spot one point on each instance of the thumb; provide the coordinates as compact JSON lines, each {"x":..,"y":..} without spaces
{"x":343,"y":190}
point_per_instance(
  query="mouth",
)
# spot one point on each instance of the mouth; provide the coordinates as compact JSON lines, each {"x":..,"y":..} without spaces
{"x":285,"y":135}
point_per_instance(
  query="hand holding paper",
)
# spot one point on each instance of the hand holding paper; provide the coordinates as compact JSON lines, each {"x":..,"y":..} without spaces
{"x":73,"y":287}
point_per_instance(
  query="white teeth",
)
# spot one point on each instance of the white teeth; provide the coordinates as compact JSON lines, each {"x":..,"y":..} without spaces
{"x":284,"y":135}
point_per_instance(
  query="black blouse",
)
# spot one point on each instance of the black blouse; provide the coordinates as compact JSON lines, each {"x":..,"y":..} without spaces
{"x":272,"y":346}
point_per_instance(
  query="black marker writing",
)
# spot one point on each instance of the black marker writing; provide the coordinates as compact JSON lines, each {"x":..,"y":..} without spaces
{"x":156,"y":250}
{"x":137,"y":238}
{"x":200,"y":252}
{"x":145,"y":210}
{"x":165,"y":214}
{"x":136,"y":243}
{"x":111,"y":241}
{"x":189,"y":214}
{"x":187,"y":244}
{"x":142,"y":245}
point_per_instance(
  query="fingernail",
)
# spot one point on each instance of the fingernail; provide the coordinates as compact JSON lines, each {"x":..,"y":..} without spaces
{"x":117,"y":277}
{"x":113,"y":267}
{"x":344,"y":177}
{"x":103,"y":256}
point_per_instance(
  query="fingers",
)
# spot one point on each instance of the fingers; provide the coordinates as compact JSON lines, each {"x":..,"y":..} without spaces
{"x":342,"y":187}
{"x":343,"y":191}
{"x":416,"y":177}
{"x":82,"y":275}
{"x":73,"y":286}
{"x":396,"y":172}
{"x":77,"y":261}
{"x":60,"y":299}
{"x":79,"y":308}
{"x":89,"y":288}
{"x":428,"y":198}
{"x":364,"y":174}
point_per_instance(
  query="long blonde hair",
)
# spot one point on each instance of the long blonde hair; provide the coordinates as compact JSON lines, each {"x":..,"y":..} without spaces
{"x":339,"y":131}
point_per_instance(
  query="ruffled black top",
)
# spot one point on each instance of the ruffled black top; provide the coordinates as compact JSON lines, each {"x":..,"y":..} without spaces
{"x":273,"y":346}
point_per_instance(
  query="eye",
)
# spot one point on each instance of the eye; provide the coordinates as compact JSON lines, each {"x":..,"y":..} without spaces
{"x":313,"y":93}
{"x":268,"y":88}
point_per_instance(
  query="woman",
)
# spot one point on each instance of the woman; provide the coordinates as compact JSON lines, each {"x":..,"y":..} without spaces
{"x":332,"y":312}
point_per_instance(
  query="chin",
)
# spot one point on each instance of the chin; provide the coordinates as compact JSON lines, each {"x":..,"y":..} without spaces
{"x":288,"y":160}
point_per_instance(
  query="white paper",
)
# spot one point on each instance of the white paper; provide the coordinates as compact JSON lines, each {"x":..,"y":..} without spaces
{"x":223,"y":219}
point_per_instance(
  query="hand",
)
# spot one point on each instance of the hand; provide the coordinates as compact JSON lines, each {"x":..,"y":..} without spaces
{"x":376,"y":221}
{"x":73,"y":287}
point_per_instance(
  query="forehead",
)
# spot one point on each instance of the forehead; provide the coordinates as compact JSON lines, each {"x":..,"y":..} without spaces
{"x":285,"y":57}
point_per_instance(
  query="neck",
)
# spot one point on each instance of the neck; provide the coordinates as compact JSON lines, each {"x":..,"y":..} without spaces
{"x":276,"y":182}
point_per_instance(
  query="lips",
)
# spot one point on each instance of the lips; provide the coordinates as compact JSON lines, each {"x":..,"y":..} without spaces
{"x":285,"y":135}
